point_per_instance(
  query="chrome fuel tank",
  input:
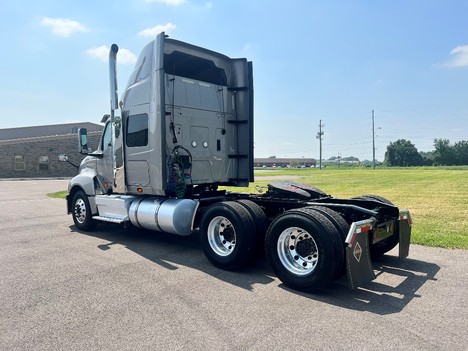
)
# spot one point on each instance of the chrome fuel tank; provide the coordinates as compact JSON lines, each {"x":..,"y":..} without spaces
{"x":175,"y":216}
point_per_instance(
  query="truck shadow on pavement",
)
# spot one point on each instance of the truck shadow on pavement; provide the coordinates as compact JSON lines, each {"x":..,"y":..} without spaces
{"x":395,"y":286}
{"x":172,"y":251}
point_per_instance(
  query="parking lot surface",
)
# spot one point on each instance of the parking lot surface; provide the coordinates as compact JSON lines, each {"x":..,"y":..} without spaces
{"x":125,"y":289}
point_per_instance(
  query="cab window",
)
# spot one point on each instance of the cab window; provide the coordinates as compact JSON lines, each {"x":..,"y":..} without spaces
{"x":137,"y":130}
{"x":107,"y":137}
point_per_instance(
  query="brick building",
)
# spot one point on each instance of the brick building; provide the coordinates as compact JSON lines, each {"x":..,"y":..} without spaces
{"x":32,"y":152}
{"x":285,"y":162}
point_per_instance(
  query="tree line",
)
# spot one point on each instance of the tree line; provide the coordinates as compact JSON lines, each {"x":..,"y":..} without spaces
{"x":403,"y":153}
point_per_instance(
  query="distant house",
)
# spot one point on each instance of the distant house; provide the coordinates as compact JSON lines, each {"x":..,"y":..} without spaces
{"x":285,"y":162}
{"x":32,"y":152}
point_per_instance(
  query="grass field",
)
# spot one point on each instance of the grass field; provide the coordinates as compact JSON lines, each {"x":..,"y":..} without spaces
{"x":436,"y":197}
{"x":58,"y":194}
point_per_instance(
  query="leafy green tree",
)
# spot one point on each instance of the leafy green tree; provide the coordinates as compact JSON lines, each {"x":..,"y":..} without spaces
{"x":461,"y":152}
{"x":293,"y":163}
{"x":402,"y":153}
{"x":444,"y":153}
{"x":351,"y":159}
{"x":428,"y":157}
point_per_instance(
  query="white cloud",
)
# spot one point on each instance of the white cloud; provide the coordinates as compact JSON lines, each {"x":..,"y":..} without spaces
{"x":153,"y":31}
{"x":169,"y":2}
{"x":101,"y":53}
{"x":459,"y":57}
{"x":63,"y":27}
{"x":124,"y":56}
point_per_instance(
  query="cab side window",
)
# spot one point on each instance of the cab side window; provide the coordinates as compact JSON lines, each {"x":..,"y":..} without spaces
{"x":137,"y":130}
{"x":107,"y":137}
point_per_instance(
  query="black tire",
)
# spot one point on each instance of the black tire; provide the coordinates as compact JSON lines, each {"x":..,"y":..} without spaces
{"x":338,"y":221}
{"x":228,"y":235}
{"x":261,"y":224}
{"x":382,"y":247}
{"x":81,"y":212}
{"x":302,"y":246}
{"x":374,"y":197}
{"x":343,"y":228}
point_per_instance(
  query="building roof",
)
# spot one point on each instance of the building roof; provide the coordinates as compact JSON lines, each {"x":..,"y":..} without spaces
{"x":284,"y":160}
{"x":47,"y":130}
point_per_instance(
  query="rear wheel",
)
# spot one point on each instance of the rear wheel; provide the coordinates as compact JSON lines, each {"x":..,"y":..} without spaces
{"x":81,"y":212}
{"x":342,"y":227}
{"x":381,"y":247}
{"x":302,"y":247}
{"x":228,"y":235}
{"x":261,"y":223}
{"x":375,"y":197}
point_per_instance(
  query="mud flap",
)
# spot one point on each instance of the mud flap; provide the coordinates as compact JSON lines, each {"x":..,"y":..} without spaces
{"x":358,"y":261}
{"x":404,"y":224}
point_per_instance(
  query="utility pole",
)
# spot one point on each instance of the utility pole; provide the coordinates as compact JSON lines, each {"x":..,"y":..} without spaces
{"x":319,"y":137}
{"x":373,"y":141}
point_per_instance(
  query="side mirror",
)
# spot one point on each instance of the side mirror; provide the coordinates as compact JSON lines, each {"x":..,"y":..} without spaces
{"x":64,"y":158}
{"x":105,"y":118}
{"x":83,"y":141}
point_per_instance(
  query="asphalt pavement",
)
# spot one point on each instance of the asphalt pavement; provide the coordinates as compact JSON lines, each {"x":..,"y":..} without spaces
{"x":127,"y":289}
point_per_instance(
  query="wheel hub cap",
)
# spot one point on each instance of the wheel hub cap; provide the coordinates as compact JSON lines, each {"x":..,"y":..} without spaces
{"x":80,"y":211}
{"x":221,"y":236}
{"x":297,"y":251}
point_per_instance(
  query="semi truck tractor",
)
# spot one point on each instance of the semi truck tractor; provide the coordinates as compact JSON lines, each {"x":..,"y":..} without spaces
{"x":181,"y":132}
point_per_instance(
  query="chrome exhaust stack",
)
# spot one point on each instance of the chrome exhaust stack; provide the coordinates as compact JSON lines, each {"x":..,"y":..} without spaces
{"x":114,"y":98}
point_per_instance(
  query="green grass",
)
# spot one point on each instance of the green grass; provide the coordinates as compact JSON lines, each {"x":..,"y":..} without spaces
{"x":58,"y":194}
{"x":436,"y":197}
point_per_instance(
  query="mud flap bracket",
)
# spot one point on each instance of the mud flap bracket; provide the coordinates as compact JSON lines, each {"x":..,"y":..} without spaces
{"x":405,"y":223}
{"x":358,"y":261}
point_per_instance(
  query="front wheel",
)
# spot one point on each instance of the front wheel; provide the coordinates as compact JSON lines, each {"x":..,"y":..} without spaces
{"x":228,"y":235}
{"x":81,"y":212}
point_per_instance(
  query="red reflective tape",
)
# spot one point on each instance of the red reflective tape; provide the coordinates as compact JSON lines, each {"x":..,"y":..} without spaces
{"x":359,"y":230}
{"x":353,"y":238}
{"x":366,"y":228}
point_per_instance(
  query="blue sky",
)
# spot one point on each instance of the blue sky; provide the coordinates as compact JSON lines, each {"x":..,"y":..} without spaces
{"x":334,"y":61}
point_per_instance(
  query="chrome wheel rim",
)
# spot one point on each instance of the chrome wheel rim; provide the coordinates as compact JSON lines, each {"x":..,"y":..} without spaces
{"x":221,"y":236}
{"x":297,"y":251}
{"x":80,"y":211}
